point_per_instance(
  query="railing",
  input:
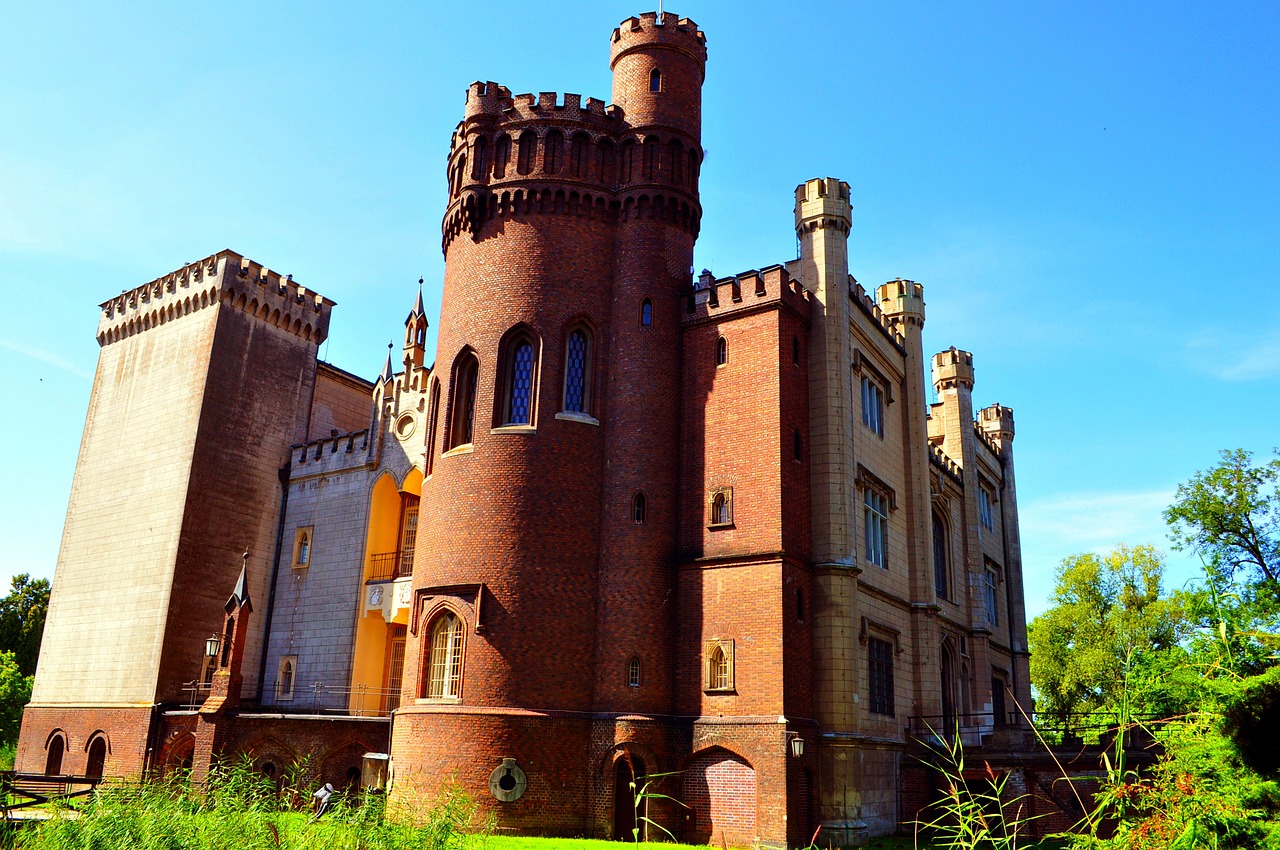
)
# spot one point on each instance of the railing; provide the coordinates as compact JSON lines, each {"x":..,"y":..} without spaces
{"x":196,"y":693}
{"x":1098,"y":728}
{"x":27,"y":790}
{"x":968,"y":727}
{"x":391,"y":565}
{"x":320,"y":698}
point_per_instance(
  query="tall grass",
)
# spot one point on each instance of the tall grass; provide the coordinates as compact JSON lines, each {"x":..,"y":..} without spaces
{"x":241,"y":809}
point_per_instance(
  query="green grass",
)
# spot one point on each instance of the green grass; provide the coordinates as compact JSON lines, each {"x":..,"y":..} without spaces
{"x":7,"y":754}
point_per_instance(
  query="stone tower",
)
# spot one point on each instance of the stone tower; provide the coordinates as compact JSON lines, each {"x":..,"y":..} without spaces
{"x":548,"y":515}
{"x":203,"y":382}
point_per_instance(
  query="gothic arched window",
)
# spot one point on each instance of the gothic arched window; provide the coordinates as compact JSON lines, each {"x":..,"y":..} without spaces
{"x":443,"y":673}
{"x":462,"y":425}
{"x":577,"y":372}
{"x":520,"y":359}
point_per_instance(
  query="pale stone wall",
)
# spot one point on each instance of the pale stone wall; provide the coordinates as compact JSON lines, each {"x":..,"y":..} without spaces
{"x":110,"y":601}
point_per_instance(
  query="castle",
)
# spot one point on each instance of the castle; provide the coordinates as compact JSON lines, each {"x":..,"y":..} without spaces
{"x":628,"y":520}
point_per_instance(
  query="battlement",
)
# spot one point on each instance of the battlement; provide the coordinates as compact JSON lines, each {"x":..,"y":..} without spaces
{"x":713,"y":298}
{"x":496,"y":108}
{"x":996,"y":421}
{"x":647,"y":30}
{"x":987,"y":439}
{"x":902,"y":301}
{"x":952,"y":368}
{"x":332,"y":454}
{"x":872,"y":310}
{"x":823,"y":203}
{"x":224,"y":276}
{"x":940,"y":459}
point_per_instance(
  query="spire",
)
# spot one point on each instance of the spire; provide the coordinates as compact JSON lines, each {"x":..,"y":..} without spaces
{"x":418,"y":309}
{"x":240,"y":596}
{"x":387,"y":374}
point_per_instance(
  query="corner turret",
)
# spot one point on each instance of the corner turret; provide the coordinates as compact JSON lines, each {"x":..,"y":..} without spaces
{"x":902,"y":302}
{"x":996,"y":422}
{"x":953,"y":369}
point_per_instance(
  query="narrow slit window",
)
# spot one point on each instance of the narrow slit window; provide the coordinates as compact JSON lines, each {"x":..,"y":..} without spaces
{"x":722,"y":351}
{"x":577,"y":372}
{"x":655,"y":80}
{"x":633,"y":672}
{"x":646,"y":312}
{"x":639,"y":509}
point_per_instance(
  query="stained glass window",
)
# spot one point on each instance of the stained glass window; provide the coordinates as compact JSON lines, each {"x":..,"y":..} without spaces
{"x":521,"y":384}
{"x":575,"y":374}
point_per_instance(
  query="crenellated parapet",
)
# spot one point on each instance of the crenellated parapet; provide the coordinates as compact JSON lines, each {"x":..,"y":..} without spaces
{"x":643,"y":148}
{"x":902,"y":303}
{"x":872,"y":310}
{"x":713,"y":299}
{"x":334,"y":453}
{"x":953,"y":369}
{"x":949,"y":467}
{"x":996,"y":421}
{"x":225,"y":277}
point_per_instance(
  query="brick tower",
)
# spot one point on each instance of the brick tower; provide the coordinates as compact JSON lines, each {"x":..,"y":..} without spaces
{"x":543,"y":573}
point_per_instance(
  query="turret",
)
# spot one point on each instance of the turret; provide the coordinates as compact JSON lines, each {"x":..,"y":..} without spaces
{"x":952,"y":369}
{"x":902,"y":302}
{"x":658,"y":67}
{"x":996,"y":422}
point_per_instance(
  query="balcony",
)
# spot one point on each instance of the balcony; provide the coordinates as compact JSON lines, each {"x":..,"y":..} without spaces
{"x":388,"y":566}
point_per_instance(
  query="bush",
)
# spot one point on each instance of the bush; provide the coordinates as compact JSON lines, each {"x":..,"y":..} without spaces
{"x":1250,"y":720}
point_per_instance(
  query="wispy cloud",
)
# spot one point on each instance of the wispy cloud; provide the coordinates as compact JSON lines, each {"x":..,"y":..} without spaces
{"x":49,"y":357}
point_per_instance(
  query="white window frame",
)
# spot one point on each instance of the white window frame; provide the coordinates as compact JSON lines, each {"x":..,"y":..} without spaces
{"x":875,"y":514}
{"x":873,"y":405}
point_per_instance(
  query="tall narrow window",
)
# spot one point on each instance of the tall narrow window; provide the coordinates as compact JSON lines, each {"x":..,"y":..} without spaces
{"x":577,"y":372}
{"x":941,"y":545}
{"x":639,"y":508}
{"x":302,"y":547}
{"x":526,"y":152}
{"x":408,"y":533}
{"x":626,"y":169}
{"x":578,"y":147}
{"x":876,"y":526}
{"x":795,"y":350}
{"x":999,"y":714}
{"x":518,"y":404}
{"x":501,"y":153}
{"x":552,"y":152}
{"x":989,"y":597}
{"x":880,"y":675}
{"x":722,"y":351}
{"x":433,"y":417}
{"x":872,"y":406}
{"x":284,"y":682}
{"x":655,"y":80}
{"x":394,"y":676}
{"x":985,"y":514}
{"x":633,"y":672}
{"x":444,"y":660}
{"x":650,"y":161}
{"x":675,"y":160}
{"x":480,"y":160}
{"x":466,"y":374}
{"x":608,"y":163}
{"x":646,"y":312}
{"x":720,"y":509}
{"x":797,"y":445}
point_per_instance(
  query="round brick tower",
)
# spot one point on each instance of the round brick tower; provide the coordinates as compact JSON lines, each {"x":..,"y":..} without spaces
{"x":568,"y":240}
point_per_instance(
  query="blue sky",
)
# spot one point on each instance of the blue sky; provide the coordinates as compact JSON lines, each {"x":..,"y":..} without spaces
{"x":1088,"y":193}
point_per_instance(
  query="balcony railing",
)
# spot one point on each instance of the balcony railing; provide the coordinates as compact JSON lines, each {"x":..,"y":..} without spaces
{"x":391,"y":565}
{"x":315,"y":698}
{"x":1092,"y":729}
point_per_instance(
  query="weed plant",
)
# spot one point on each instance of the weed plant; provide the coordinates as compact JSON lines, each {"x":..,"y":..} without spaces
{"x":240,"y":809}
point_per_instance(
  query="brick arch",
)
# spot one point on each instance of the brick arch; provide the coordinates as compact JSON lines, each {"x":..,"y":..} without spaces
{"x":270,"y":750}
{"x":336,"y":763}
{"x":719,"y":787}
{"x":178,"y":753}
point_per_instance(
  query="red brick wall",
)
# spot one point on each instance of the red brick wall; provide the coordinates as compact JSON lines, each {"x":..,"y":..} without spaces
{"x":720,"y":788}
{"x":126,"y":731}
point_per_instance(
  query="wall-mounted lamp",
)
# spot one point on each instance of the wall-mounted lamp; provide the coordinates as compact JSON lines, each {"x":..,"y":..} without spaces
{"x":797,"y":746}
{"x":211,"y":646}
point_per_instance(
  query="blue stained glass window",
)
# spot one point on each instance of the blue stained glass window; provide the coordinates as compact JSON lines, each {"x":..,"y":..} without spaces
{"x":521,"y":383}
{"x":575,"y":374}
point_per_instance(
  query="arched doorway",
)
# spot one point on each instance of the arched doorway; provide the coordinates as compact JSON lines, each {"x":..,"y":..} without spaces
{"x":626,"y":769}
{"x":97,"y":763}
{"x":53,"y":761}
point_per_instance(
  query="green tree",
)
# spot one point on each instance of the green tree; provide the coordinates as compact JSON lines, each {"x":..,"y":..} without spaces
{"x":22,"y":615}
{"x":15,"y":693}
{"x":1106,"y":613}
{"x":1230,"y":516}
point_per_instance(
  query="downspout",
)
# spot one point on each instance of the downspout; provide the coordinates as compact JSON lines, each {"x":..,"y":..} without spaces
{"x":284,"y":473}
